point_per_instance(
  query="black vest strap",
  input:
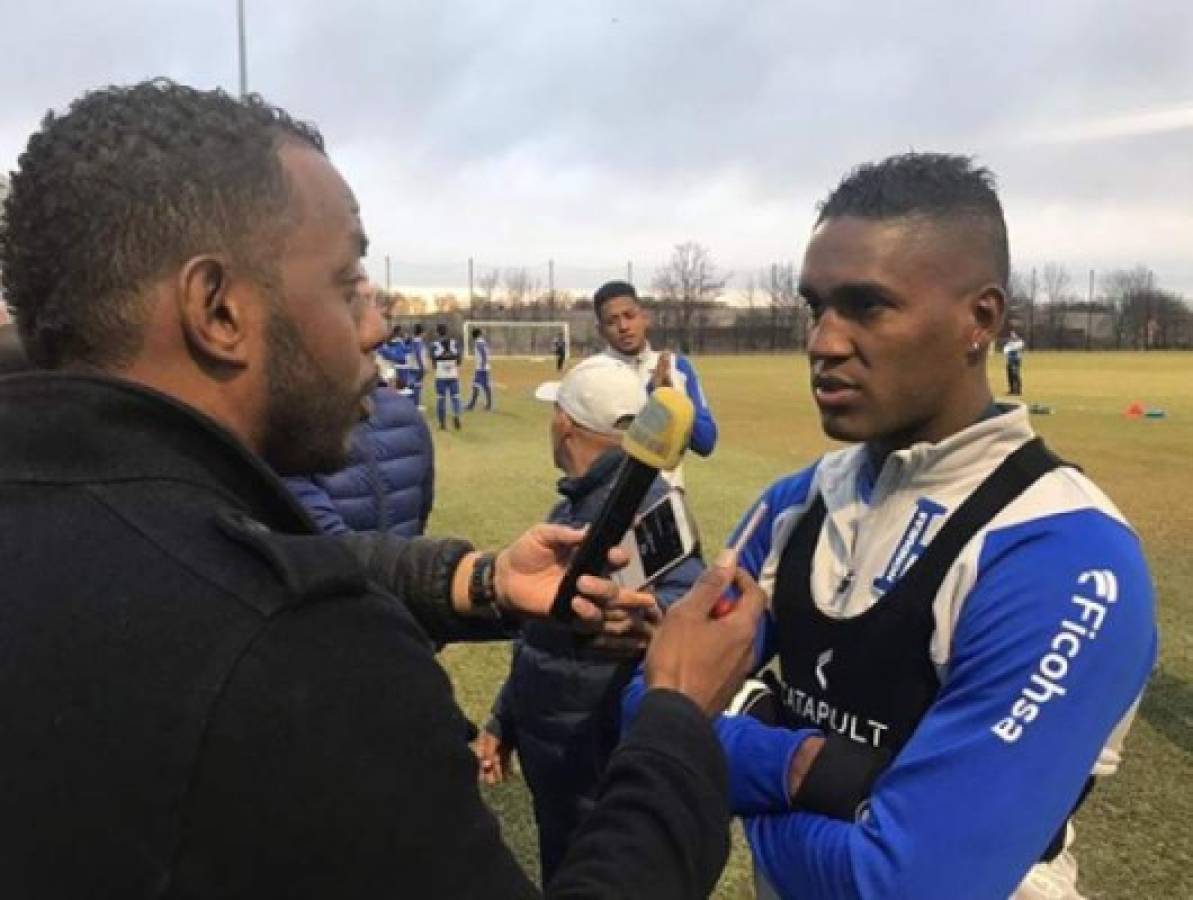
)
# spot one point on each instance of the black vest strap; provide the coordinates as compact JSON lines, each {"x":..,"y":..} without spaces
{"x":879,"y":669}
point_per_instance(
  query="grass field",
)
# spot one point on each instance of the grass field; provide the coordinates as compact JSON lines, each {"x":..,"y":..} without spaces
{"x":495,"y":478}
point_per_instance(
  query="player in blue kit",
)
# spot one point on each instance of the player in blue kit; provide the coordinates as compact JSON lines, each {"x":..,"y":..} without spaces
{"x":395,"y":352}
{"x":480,"y":375}
{"x":445,"y":354}
{"x":417,"y":364}
{"x":963,"y":624}
{"x":623,"y":323}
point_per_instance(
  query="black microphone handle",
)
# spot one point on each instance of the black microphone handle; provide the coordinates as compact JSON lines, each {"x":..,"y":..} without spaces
{"x":630,"y":486}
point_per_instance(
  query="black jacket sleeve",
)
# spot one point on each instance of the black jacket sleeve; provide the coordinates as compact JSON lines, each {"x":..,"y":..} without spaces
{"x":335,"y":764}
{"x":418,"y":571}
{"x":661,"y":826}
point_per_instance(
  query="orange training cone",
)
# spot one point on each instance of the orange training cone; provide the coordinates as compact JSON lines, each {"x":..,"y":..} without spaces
{"x":1134,"y":411}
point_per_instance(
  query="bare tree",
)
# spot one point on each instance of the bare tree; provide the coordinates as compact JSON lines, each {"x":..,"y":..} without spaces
{"x":1018,"y":302}
{"x":488,"y":284}
{"x":689,"y":281}
{"x":1055,"y":280}
{"x":1130,"y":294}
{"x":781,"y":284}
{"x":517,"y":289}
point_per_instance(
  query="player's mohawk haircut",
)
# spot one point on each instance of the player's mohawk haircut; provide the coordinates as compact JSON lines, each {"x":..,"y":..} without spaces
{"x":925,"y":185}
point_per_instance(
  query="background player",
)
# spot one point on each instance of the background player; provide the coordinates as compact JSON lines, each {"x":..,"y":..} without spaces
{"x":480,"y":375}
{"x":445,"y":354}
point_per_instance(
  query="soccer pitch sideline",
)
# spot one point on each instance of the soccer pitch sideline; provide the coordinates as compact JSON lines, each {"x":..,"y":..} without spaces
{"x":495,"y":478}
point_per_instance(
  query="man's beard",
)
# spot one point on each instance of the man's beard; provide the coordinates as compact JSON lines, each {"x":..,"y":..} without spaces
{"x":308,"y":418}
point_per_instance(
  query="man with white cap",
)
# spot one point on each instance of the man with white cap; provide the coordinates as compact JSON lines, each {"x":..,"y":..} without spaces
{"x":559,"y":706}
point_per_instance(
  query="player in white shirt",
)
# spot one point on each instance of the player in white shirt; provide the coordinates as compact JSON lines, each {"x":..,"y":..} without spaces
{"x":1013,"y":351}
{"x":445,"y":354}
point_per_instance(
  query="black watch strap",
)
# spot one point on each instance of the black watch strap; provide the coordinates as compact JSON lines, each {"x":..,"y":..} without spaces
{"x":482,"y":586}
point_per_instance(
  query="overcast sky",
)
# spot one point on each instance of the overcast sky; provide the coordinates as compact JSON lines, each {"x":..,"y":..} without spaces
{"x":593,"y":132}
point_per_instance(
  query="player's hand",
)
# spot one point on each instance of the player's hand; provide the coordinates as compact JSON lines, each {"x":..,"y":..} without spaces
{"x":527,"y":574}
{"x":493,"y":756}
{"x":662,"y":371}
{"x":703,"y":656}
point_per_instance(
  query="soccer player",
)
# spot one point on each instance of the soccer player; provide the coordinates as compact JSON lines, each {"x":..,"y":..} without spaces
{"x":963,"y":623}
{"x":623,"y":323}
{"x":480,"y":375}
{"x":1012,"y":350}
{"x":418,"y":364}
{"x":445,"y":354}
{"x":395,"y":352}
{"x":559,"y":347}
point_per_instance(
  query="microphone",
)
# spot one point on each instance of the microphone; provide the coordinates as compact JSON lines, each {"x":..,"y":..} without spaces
{"x":656,"y":439}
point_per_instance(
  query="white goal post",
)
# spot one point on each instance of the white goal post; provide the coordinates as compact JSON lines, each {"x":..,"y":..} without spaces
{"x":520,"y":339}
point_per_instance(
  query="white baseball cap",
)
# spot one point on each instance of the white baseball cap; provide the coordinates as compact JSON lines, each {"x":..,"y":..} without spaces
{"x":600,"y":393}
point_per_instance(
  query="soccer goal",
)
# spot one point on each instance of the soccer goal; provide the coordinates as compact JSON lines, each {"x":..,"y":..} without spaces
{"x":519,"y":340}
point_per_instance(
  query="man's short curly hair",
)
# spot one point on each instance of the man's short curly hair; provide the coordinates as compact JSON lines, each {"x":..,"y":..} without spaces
{"x":129,"y":183}
{"x":932,"y":186}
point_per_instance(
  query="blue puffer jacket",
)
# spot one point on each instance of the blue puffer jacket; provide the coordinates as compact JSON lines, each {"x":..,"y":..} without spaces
{"x":559,"y":707}
{"x":389,"y":482}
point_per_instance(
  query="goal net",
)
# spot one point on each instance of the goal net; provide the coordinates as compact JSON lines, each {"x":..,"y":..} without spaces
{"x":519,"y":340}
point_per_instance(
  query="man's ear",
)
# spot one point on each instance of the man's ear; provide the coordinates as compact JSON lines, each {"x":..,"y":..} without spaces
{"x":987,"y":309}
{"x":218,"y":313}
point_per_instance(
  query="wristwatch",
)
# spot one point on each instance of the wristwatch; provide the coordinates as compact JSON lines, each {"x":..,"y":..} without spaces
{"x":482,"y":586}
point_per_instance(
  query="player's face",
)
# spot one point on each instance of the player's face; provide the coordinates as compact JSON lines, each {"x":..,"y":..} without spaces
{"x":623,"y":324}
{"x":322,"y":331}
{"x":892,"y":343}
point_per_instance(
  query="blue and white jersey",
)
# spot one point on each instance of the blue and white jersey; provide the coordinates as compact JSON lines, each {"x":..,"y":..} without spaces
{"x":1044,"y":637}
{"x":683,"y":378}
{"x":418,"y":355}
{"x":481,"y":348}
{"x":395,"y":352}
{"x":446,"y":354}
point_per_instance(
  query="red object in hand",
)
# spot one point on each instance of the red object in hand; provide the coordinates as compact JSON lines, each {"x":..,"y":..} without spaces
{"x":723,"y":606}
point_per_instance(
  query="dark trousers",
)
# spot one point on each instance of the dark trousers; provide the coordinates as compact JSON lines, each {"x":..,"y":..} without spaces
{"x":1014,"y":381}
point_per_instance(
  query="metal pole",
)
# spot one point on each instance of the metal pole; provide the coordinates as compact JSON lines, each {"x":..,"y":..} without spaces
{"x":629,"y":271}
{"x":471,"y":290}
{"x":1089,"y":312}
{"x":244,"y":78}
{"x":387,"y":273}
{"x":551,"y":281}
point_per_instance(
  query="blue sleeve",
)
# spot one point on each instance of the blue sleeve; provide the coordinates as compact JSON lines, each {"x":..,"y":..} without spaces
{"x":318,"y":505}
{"x":704,"y":430}
{"x":758,"y":782}
{"x":482,"y":353}
{"x":1029,"y":699}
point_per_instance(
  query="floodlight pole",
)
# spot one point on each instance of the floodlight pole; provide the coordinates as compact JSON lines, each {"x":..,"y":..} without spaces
{"x":244,"y":78}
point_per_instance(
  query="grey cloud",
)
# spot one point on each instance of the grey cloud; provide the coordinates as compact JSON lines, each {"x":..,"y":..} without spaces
{"x":741,"y":112}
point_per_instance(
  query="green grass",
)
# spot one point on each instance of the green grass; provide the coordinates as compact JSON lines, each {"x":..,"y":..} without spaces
{"x":495,"y":478}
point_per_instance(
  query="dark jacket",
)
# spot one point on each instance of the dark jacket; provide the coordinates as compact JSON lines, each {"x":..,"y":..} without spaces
{"x":560,"y":706}
{"x":389,"y":482}
{"x":204,"y":699}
